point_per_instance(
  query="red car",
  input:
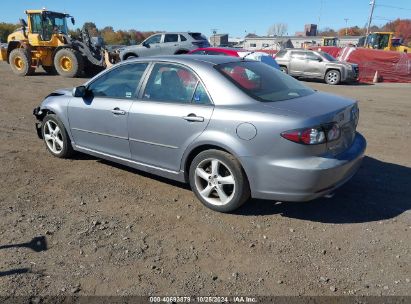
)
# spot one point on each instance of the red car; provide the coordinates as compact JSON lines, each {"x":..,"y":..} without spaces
{"x":218,"y":51}
{"x":260,"y":56}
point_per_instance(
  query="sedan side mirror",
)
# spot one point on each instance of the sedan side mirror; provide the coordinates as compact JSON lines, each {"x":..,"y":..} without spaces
{"x":79,"y":91}
{"x":146,"y":44}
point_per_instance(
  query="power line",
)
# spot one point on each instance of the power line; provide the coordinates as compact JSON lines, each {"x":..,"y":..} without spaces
{"x":396,"y":7}
{"x":382,"y":18}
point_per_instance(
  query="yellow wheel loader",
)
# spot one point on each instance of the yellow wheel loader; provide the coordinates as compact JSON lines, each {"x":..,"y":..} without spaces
{"x":385,"y":41}
{"x":44,"y":41}
{"x":330,"y":41}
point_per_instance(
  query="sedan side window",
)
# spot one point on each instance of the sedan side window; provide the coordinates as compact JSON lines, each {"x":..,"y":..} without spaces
{"x":216,"y":53}
{"x":199,"y":53}
{"x":171,"y":83}
{"x":171,"y":38}
{"x":121,"y":82}
{"x":298,"y":55}
{"x":154,"y":39}
{"x":312,"y":56}
{"x":200,"y":95}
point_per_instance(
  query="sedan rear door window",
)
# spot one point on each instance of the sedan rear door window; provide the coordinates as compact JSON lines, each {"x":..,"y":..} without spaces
{"x":171,"y":38}
{"x":170,"y":83}
{"x":216,"y":53}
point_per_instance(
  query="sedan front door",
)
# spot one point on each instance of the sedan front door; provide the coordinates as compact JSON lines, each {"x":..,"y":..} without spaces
{"x":173,"y":110}
{"x":98,"y":121}
{"x":151,"y":46}
{"x":314,"y":65}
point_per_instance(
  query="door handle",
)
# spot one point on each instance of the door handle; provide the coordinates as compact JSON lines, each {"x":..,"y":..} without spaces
{"x":117,"y":111}
{"x":194,"y":118}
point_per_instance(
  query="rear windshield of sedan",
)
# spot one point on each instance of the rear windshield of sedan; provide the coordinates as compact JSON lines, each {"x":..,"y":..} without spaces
{"x":198,"y":36}
{"x":263,"y":82}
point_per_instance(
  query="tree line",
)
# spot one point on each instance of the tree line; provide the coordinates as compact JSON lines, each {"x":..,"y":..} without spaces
{"x":401,"y":28}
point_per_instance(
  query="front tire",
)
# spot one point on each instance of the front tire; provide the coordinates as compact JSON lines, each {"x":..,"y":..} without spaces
{"x":284,"y":69}
{"x":20,"y":62}
{"x":68,"y":63}
{"x":55,"y":137}
{"x":332,"y":77}
{"x":218,"y":180}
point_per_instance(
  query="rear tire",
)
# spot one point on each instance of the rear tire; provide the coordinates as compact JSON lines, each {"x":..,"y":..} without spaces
{"x":333,"y":77}
{"x":130,"y":56}
{"x":55,"y":137}
{"x":219,"y":181}
{"x":20,"y":62}
{"x":68,"y":63}
{"x":284,"y":69}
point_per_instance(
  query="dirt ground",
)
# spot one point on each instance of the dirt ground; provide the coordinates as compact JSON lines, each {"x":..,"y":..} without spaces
{"x":112,"y":230}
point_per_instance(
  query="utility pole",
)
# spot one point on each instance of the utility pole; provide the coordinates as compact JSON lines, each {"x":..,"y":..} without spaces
{"x":372,"y":3}
{"x":214,"y":37}
{"x":346,"y":26}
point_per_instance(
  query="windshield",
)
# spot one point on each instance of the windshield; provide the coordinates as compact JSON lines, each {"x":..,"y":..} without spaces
{"x":263,"y":82}
{"x":378,"y":41}
{"x":328,"y":56}
{"x":56,"y":23}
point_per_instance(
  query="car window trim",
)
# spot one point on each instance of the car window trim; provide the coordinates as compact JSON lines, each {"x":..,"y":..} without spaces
{"x":149,"y":71}
{"x":137,"y":90}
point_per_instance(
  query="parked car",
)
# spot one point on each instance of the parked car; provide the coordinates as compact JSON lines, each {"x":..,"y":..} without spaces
{"x":165,"y":44}
{"x":232,"y":128}
{"x":259,"y":56}
{"x":316,"y":64}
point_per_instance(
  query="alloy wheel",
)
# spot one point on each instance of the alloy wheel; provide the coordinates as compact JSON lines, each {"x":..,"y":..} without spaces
{"x":332,"y":77}
{"x":215,"y":182}
{"x":53,"y":137}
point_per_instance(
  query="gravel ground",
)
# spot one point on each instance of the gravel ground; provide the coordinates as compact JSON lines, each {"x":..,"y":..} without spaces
{"x":112,"y":230}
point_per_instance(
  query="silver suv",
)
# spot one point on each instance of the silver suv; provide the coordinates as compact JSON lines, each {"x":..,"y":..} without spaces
{"x":165,"y":44}
{"x":316,"y":64}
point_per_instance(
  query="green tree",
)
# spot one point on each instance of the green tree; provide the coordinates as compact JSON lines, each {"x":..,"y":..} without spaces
{"x":92,"y":28}
{"x":6,"y":29}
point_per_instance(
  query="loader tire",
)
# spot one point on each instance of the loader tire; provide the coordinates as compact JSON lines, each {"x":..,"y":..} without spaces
{"x":68,"y":63}
{"x":20,"y":62}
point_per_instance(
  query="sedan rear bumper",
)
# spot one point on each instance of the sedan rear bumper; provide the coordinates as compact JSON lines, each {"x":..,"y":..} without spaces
{"x":302,"y":179}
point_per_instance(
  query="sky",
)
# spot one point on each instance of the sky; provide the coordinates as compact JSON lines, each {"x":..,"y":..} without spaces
{"x":237,"y":18}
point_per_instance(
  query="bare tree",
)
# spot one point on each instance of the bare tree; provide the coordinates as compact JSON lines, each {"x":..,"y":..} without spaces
{"x":278,"y":29}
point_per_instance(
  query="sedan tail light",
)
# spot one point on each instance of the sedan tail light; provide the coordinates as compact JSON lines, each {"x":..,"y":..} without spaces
{"x":314,"y":135}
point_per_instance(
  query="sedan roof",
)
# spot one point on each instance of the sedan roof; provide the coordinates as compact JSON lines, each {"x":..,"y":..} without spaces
{"x":190,"y":59}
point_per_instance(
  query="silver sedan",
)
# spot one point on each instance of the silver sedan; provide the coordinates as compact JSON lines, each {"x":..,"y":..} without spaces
{"x":230,"y":127}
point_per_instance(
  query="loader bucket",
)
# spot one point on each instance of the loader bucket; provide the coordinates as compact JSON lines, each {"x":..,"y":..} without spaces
{"x":3,"y":54}
{"x":107,"y":60}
